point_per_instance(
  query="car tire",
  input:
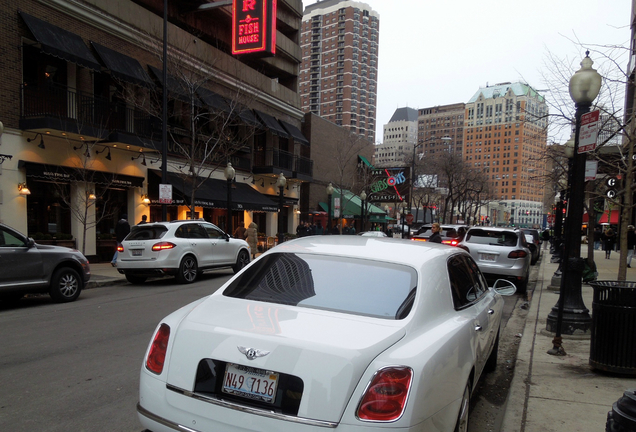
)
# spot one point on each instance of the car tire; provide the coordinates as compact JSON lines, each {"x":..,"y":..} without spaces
{"x":242,"y":260}
{"x":136,"y":280}
{"x":491,"y":363}
{"x":522,"y":286}
{"x":66,"y":285}
{"x":188,"y":270}
{"x":464,"y":411}
{"x":535,"y":255}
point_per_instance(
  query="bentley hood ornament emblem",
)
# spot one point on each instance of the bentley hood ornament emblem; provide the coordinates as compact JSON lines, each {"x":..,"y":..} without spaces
{"x":252,"y":353}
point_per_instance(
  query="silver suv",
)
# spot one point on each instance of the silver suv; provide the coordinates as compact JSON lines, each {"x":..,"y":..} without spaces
{"x":500,"y":253}
{"x":183,"y":249}
{"x":28,"y":267}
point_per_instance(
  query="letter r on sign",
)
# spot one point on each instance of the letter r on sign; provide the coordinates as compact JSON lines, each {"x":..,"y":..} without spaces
{"x":249,"y":5}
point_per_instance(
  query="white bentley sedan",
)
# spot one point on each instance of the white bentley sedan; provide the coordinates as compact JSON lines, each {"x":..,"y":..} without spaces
{"x":343,"y":333}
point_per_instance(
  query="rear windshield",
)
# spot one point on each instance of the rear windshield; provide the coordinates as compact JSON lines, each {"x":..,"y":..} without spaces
{"x":147,"y":232}
{"x":347,"y":285}
{"x":496,"y":238}
{"x":449,"y":232}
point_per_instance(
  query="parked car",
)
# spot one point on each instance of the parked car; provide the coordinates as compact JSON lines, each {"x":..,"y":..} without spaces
{"x":373,"y":234}
{"x":344,"y":333}
{"x":451,"y":234}
{"x":28,"y":267}
{"x":533,"y":238}
{"x":500,"y":253}
{"x":183,"y":249}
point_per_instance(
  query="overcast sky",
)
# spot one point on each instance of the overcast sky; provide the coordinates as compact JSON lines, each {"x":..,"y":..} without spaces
{"x":441,"y":52}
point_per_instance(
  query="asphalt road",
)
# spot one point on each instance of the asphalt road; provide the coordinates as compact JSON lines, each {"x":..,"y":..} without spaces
{"x":75,"y":367}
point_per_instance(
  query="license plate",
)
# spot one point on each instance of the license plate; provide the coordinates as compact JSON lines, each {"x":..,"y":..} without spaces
{"x":137,"y":252}
{"x":488,"y":257}
{"x":251,"y":383}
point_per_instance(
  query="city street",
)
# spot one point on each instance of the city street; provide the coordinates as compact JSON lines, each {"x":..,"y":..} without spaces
{"x":75,"y":366}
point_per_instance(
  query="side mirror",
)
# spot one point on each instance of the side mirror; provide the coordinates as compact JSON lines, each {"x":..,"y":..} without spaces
{"x":504,"y":287}
{"x":30,"y":243}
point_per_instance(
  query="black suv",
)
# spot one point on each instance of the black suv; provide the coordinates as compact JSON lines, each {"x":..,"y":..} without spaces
{"x":28,"y":267}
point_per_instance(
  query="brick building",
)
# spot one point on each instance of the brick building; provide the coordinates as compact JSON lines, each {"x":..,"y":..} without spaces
{"x":338,"y":76}
{"x":80,"y":79}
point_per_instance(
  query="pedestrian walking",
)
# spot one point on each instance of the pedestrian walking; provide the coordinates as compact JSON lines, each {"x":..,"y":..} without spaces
{"x":121,"y":231}
{"x":598,"y":236}
{"x":631,"y":244}
{"x":240,"y":232}
{"x":436,"y":237}
{"x":609,"y":240}
{"x":252,"y":238}
{"x":545,"y":236}
{"x":144,"y":220}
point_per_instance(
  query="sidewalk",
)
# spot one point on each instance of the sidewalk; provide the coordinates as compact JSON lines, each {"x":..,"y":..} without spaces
{"x":553,"y":393}
{"x":104,"y":274}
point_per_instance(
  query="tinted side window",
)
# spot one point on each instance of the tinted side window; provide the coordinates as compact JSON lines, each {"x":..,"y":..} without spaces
{"x":7,"y":239}
{"x":213,"y":232}
{"x":190,"y":230}
{"x":466,"y":285}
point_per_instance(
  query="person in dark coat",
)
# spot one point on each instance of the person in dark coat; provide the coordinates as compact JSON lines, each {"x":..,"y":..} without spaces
{"x":121,"y":231}
{"x":609,"y":240}
{"x":545,"y":236}
{"x":144,"y":220}
{"x":436,"y":237}
{"x":598,"y":236}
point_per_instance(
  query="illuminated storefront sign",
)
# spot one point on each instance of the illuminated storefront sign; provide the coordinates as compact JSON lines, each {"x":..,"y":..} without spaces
{"x":253,"y":26}
{"x":390,"y":184}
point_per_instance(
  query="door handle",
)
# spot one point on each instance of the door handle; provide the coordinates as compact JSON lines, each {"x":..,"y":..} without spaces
{"x":491,"y":311}
{"x":478,"y":327}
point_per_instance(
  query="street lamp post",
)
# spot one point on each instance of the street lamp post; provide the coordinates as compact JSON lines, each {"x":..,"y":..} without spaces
{"x":229,"y":173}
{"x":402,"y":213}
{"x":281,"y":182}
{"x":363,"y":197}
{"x":570,"y":315}
{"x":329,"y":194}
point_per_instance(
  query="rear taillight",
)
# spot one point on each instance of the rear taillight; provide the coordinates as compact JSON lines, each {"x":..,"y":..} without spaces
{"x":385,"y":398}
{"x":419,"y":239}
{"x":157,"y":353}
{"x":163,"y":246}
{"x":120,"y":248}
{"x":518,"y":254}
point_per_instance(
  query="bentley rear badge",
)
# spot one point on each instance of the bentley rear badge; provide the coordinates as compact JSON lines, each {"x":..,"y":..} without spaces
{"x":252,"y":353}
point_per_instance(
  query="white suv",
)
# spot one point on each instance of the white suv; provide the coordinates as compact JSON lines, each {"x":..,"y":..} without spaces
{"x":183,"y":249}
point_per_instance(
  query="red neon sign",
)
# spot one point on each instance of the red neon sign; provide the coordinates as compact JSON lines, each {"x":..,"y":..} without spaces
{"x":253,"y":26}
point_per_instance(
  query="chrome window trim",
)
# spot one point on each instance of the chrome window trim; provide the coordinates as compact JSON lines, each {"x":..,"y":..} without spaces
{"x":251,"y":410}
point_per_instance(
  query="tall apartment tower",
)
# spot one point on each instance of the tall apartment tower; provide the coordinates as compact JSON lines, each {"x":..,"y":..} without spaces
{"x":442,"y":121}
{"x":339,"y":73}
{"x":505,"y":134}
{"x":400,"y":135}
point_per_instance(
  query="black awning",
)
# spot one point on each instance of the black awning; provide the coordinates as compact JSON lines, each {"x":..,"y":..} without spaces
{"x":61,"y":43}
{"x":211,"y":194}
{"x":213,"y":100}
{"x":123,"y":67}
{"x":174,"y":86}
{"x":272,"y":124}
{"x":296,"y":134}
{"x":247,"y":115}
{"x":63,"y":174}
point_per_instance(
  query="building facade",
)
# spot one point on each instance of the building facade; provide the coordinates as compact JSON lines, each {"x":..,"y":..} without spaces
{"x":339,"y":72}
{"x":443,"y":121}
{"x":505,"y":135}
{"x":82,"y":81}
{"x":400,"y":136}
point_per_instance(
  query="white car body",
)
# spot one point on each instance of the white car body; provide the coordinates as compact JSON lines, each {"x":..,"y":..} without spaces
{"x":334,"y":354}
{"x":180,"y":248}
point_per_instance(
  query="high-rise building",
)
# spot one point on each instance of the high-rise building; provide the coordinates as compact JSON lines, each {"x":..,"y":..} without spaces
{"x":400,"y":135}
{"x":442,"y":121}
{"x":339,"y":72}
{"x":505,"y":135}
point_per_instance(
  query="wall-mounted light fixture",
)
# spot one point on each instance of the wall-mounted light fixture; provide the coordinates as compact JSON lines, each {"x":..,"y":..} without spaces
{"x":87,"y":153}
{"x":92,"y":196}
{"x":23,"y":189}
{"x":41,"y":145}
{"x":145,"y":199}
{"x":103,"y":150}
{"x":141,"y":155}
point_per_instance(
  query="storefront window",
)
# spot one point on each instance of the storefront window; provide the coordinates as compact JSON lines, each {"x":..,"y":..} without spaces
{"x":47,"y":212}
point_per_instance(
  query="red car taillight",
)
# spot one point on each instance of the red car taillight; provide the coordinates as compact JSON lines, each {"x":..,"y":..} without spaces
{"x":157,"y":353}
{"x":120,"y":248}
{"x":419,"y":239}
{"x":518,"y":254}
{"x":385,"y":398}
{"x":163,"y":246}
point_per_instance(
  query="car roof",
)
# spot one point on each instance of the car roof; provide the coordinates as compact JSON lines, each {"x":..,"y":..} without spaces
{"x":491,"y":228}
{"x":384,"y":249}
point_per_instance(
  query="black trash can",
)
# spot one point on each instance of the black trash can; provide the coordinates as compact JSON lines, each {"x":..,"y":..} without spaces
{"x":613,"y":337}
